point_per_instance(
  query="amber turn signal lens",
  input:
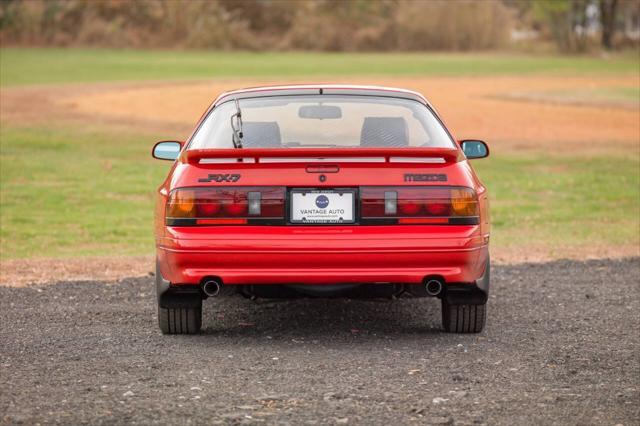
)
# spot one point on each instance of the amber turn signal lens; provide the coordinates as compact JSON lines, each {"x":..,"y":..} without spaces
{"x":463,"y":202}
{"x":182,"y":204}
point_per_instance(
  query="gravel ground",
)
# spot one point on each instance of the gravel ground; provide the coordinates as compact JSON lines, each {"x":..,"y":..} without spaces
{"x":561,"y":347}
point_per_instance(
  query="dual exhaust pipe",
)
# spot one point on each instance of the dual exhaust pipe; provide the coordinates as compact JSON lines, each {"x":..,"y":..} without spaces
{"x":212,"y":287}
{"x":433,"y":286}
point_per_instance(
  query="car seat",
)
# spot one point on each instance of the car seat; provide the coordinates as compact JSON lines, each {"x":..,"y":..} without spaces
{"x":390,"y":132}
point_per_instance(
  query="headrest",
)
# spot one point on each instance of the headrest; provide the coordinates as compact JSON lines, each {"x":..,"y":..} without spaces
{"x":261,"y":134}
{"x":384,"y":132}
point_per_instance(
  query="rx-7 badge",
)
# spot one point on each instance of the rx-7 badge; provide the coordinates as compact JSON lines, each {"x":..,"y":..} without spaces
{"x":220,"y":178}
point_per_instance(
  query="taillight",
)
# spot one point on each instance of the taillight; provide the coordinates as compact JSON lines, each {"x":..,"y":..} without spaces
{"x":419,"y":205}
{"x":226,"y":206}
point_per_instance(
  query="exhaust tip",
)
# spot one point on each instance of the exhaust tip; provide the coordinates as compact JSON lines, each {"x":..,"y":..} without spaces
{"x":433,"y":287}
{"x":212,"y":288}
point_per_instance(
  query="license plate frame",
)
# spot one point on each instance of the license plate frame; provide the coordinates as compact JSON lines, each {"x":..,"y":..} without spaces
{"x":332,"y":194}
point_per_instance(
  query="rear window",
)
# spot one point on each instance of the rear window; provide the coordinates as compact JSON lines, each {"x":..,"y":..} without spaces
{"x":318,"y":121}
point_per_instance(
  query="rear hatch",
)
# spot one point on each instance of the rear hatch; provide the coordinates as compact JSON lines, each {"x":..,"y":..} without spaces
{"x":322,"y":187}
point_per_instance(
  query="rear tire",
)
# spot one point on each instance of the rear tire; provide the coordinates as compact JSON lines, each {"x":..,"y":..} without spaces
{"x":186,"y":320}
{"x":463,"y":318}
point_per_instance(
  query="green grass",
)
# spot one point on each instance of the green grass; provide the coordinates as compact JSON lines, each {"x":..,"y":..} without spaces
{"x":69,"y":192}
{"x":559,"y":201}
{"x":74,"y":192}
{"x":19,"y":66}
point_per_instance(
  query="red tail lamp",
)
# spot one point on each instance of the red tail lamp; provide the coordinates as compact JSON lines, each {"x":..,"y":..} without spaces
{"x":420,"y":205}
{"x":220,"y":206}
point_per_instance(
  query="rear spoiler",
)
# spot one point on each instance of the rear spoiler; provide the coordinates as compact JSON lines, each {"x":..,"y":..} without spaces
{"x":298,"y":155}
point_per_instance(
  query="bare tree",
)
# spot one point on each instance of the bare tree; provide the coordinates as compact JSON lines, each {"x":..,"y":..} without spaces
{"x":608,"y":21}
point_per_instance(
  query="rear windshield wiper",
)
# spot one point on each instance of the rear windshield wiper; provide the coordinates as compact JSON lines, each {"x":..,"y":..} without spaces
{"x":236,"y":126}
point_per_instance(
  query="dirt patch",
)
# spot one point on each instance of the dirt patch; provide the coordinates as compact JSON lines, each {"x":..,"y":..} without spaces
{"x":547,"y":253}
{"x":59,"y":105}
{"x":473,"y":107}
{"x":582,"y":100}
{"x":24,"y":272}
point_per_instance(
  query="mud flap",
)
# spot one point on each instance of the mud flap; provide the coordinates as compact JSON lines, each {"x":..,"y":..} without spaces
{"x":470,"y":294}
{"x":172,"y":297}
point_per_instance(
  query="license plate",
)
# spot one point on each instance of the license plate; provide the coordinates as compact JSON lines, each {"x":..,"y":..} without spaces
{"x":322,"y":206}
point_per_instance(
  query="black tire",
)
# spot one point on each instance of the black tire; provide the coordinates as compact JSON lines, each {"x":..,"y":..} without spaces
{"x":186,"y":320}
{"x":463,"y":318}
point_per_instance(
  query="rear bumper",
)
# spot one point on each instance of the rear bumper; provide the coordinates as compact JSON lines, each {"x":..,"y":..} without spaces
{"x":322,"y":255}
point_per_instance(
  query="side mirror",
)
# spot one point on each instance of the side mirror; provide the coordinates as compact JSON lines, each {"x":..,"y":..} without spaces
{"x":474,"y":149}
{"x":166,"y":150}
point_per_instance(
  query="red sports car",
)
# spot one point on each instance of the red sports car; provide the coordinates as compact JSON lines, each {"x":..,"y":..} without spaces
{"x":322,"y":191}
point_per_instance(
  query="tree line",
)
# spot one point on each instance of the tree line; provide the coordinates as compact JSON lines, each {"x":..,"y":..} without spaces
{"x":326,"y":25}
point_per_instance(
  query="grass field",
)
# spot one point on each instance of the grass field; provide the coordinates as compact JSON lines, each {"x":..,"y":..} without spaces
{"x":42,"y":66}
{"x":69,"y":192}
{"x":70,"y":189}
